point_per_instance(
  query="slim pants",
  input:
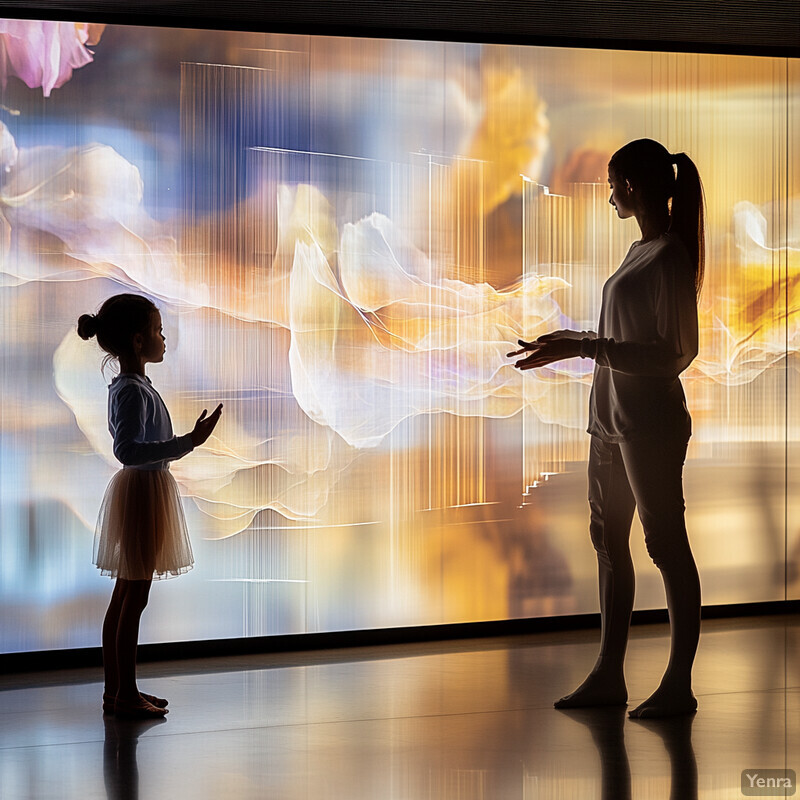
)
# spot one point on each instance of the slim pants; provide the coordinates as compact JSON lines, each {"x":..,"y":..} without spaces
{"x":646,"y":474}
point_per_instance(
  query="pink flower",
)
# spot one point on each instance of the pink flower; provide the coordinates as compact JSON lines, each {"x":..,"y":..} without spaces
{"x":44,"y":53}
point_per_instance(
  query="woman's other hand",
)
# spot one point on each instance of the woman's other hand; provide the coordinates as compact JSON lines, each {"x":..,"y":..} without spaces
{"x":574,"y":335}
{"x":547,"y":349}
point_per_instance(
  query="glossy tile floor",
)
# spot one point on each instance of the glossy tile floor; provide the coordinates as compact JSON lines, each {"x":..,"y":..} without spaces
{"x":462,"y":720}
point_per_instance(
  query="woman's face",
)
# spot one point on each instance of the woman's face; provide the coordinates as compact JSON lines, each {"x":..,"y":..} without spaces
{"x":154,"y":344}
{"x":621,"y":195}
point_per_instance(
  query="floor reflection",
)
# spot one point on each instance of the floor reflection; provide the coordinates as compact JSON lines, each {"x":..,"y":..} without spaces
{"x":468,"y":720}
{"x":120,"y":766}
{"x":607,"y":728}
{"x":676,"y":734}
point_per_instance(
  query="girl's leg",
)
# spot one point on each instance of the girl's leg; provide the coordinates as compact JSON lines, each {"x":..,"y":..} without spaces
{"x":135,"y":595}
{"x":110,"y":627}
{"x":611,"y":504}
{"x":655,"y":471}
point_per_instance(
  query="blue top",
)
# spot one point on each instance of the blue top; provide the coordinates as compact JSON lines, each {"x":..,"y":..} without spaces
{"x":140,"y":424}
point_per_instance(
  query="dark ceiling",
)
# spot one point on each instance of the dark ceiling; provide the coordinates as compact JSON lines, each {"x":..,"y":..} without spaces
{"x":763,"y":27}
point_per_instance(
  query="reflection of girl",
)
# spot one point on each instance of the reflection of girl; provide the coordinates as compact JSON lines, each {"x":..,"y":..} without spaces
{"x":141,"y":528}
{"x":638,"y":419}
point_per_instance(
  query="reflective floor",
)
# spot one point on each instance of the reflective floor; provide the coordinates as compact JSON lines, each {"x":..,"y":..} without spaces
{"x":463,"y":720}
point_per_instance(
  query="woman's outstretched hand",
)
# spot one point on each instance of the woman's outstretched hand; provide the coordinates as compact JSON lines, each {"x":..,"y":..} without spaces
{"x":564,"y":334}
{"x":205,"y":425}
{"x":547,"y":349}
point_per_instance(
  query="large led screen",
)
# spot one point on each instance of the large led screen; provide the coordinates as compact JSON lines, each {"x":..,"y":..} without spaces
{"x":345,"y":237}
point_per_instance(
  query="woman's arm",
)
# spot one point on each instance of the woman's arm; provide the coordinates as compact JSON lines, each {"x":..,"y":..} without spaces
{"x":130,"y":448}
{"x":550,"y":347}
{"x":670,"y":312}
{"x":574,"y":335}
{"x":674,"y":346}
{"x":657,"y":359}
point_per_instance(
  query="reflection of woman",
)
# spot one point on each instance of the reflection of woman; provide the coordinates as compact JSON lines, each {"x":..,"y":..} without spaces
{"x":638,"y":419}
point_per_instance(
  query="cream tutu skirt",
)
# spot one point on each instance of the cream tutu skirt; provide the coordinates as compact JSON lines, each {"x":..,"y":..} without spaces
{"x":141,"y":530}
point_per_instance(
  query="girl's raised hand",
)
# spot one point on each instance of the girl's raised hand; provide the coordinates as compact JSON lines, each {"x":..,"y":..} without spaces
{"x":205,"y":425}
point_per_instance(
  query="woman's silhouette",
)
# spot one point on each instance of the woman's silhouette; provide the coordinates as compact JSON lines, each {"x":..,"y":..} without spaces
{"x":638,"y":419}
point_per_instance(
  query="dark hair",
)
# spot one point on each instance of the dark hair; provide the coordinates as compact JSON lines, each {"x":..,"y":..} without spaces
{"x":659,"y":175}
{"x":119,"y":319}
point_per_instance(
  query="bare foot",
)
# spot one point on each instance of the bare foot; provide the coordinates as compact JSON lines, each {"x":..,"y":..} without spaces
{"x":596,"y":690}
{"x":158,"y":702}
{"x":666,"y":701}
{"x":110,"y":701}
{"x":140,"y":709}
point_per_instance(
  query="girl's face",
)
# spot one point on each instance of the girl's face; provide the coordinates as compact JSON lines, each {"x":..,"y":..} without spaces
{"x":153,"y":341}
{"x":621,"y":196}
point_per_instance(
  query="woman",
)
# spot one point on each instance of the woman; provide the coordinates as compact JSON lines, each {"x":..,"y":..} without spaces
{"x":638,"y":419}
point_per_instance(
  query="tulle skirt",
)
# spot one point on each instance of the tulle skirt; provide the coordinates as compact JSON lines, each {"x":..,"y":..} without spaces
{"x":141,"y":530}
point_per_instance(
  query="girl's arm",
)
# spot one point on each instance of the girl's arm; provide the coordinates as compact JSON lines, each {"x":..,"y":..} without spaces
{"x":130,"y":448}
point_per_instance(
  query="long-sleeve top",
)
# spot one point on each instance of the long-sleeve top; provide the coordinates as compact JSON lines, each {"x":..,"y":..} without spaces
{"x":647,"y":336}
{"x":141,"y":426}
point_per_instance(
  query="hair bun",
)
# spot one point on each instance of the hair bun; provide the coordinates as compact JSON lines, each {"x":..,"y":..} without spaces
{"x":87,"y":326}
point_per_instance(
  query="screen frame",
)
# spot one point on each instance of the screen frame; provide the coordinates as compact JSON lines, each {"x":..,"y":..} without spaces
{"x":739,"y":28}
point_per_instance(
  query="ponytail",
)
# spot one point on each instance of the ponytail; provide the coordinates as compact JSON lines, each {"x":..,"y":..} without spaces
{"x":650,"y":168}
{"x":688,"y":214}
{"x":87,"y":326}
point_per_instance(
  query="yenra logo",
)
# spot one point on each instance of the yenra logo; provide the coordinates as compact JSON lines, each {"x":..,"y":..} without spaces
{"x":768,"y":782}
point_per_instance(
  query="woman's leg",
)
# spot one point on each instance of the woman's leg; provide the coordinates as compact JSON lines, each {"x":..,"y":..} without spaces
{"x":655,"y":472}
{"x":611,"y":505}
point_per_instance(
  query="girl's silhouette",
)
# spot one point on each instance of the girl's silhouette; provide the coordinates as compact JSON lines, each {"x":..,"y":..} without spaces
{"x":141,"y":530}
{"x":638,"y":420}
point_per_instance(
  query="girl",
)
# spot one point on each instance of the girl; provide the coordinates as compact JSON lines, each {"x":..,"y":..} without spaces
{"x":638,"y":419}
{"x":141,"y":531}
